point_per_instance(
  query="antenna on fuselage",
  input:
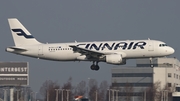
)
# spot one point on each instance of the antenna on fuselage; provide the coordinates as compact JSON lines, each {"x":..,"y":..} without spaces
{"x":75,"y":41}
{"x":149,"y":39}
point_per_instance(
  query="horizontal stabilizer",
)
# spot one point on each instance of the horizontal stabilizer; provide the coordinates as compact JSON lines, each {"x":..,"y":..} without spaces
{"x":16,"y":48}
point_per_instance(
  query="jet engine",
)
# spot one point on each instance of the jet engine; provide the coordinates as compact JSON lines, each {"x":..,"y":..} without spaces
{"x":115,"y":59}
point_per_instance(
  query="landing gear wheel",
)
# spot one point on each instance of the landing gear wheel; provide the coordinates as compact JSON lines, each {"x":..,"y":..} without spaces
{"x":95,"y":67}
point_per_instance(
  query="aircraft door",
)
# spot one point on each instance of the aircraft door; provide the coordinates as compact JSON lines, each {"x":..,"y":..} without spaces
{"x":150,"y":46}
{"x":40,"y":51}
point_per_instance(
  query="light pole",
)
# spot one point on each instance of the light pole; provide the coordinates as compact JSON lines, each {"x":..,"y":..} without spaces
{"x":18,"y":94}
{"x":47,"y":95}
{"x":96,"y":95}
{"x":5,"y":94}
{"x":31,"y":96}
{"x":57,"y":92}
{"x":68,"y":91}
{"x":109,"y":94}
{"x":62,"y":94}
{"x":11,"y":94}
{"x":25,"y":96}
{"x":165,"y":95}
{"x":145,"y":95}
{"x":112,"y":94}
{"x":117,"y":94}
{"x":88,"y":88}
{"x":21,"y":95}
{"x":35,"y":95}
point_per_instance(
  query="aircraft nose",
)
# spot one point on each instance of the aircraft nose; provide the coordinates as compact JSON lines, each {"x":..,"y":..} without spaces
{"x":171,"y":50}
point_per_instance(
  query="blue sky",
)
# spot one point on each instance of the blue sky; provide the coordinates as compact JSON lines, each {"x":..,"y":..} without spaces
{"x":87,"y":20}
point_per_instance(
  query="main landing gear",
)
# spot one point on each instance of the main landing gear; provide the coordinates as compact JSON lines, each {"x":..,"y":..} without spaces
{"x":95,"y":66}
{"x":151,"y":62}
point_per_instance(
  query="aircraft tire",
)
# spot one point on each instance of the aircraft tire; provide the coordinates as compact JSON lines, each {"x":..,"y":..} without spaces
{"x":93,"y":67}
{"x":97,"y":68}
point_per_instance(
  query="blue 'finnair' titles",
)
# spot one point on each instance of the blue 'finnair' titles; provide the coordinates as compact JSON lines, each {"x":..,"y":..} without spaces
{"x":115,"y":46}
{"x":20,"y":32}
{"x":111,"y":52}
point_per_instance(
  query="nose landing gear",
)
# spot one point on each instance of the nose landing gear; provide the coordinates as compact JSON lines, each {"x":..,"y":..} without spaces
{"x":95,"y":66}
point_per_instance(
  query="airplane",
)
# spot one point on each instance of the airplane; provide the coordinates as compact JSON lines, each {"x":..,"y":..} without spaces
{"x":111,"y":52}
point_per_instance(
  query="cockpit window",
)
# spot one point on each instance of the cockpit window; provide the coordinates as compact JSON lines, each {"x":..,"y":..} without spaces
{"x":162,"y":45}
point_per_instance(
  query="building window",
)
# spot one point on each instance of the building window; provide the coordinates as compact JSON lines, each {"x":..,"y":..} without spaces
{"x":169,"y":74}
{"x":174,"y":75}
{"x":169,"y":84}
{"x":132,"y":75}
{"x":178,"y":89}
{"x":132,"y":84}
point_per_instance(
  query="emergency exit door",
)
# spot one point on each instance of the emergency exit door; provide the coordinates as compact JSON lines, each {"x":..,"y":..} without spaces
{"x":40,"y":51}
{"x":150,"y":46}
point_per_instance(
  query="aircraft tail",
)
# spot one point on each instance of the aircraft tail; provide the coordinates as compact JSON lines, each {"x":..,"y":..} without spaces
{"x":20,"y":34}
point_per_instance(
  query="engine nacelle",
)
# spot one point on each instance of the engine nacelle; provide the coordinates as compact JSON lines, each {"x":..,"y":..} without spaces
{"x":115,"y":59}
{"x":83,"y":57}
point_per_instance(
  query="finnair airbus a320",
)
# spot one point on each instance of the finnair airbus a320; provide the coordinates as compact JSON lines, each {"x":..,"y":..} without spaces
{"x":112,"y":52}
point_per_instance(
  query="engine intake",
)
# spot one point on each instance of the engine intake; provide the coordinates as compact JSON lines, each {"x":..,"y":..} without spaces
{"x":115,"y":59}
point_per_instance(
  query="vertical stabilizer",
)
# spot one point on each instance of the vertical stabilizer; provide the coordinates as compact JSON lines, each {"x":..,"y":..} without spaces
{"x":20,"y":34}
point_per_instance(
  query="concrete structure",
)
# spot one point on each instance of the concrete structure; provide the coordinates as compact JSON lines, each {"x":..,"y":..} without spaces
{"x":176,"y":94}
{"x":166,"y":71}
{"x":14,"y":76}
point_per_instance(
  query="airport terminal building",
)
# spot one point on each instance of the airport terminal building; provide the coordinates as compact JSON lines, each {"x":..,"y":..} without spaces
{"x":136,"y":81}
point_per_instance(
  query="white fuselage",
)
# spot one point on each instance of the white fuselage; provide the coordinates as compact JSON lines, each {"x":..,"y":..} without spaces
{"x":129,"y":49}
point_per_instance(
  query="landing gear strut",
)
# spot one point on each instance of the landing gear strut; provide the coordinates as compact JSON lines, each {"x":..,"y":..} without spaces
{"x":95,"y":66}
{"x":151,"y":62}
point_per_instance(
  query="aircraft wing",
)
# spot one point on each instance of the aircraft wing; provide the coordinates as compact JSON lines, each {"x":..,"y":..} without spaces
{"x":86,"y":52}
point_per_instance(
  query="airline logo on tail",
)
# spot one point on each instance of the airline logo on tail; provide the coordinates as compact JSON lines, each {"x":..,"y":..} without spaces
{"x":20,"y":32}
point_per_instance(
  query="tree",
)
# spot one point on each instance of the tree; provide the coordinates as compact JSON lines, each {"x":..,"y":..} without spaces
{"x":153,"y":93}
{"x":115,"y":87}
{"x":80,"y":89}
{"x":128,"y":91}
{"x":103,"y":90}
{"x":20,"y":92}
{"x":166,"y":92}
{"x":48,"y":89}
{"x":67,"y":90}
{"x":93,"y":89}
